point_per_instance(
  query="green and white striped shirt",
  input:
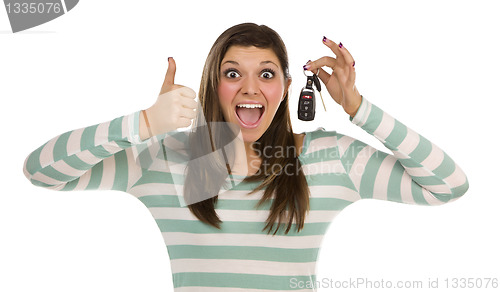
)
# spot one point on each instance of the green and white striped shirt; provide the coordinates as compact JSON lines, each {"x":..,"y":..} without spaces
{"x":339,"y":169}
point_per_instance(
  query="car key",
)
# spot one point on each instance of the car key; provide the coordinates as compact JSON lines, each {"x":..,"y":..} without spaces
{"x":307,"y":100}
{"x":318,"y":87}
{"x":307,"y":105}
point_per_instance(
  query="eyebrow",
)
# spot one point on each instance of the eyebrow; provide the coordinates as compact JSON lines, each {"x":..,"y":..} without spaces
{"x":261,"y":63}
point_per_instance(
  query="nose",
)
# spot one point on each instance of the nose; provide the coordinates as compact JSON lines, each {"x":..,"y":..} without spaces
{"x":250,"y":86}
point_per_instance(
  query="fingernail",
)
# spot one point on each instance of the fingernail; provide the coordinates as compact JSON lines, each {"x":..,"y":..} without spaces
{"x":308,"y":62}
{"x":169,"y":58}
{"x":353,"y":62}
{"x":340,"y":45}
{"x":324,"y":39}
{"x":306,"y":67}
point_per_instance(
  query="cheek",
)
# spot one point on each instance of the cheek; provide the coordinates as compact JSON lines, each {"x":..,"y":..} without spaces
{"x":273,"y":92}
{"x":227,"y":92}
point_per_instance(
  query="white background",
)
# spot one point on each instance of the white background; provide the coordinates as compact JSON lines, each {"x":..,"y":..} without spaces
{"x":433,"y":65}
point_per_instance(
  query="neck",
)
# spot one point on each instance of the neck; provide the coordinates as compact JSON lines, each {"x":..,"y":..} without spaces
{"x":250,"y":151}
{"x":247,"y":159}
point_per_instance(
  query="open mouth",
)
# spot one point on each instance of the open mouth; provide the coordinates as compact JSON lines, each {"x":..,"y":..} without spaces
{"x":249,"y":114}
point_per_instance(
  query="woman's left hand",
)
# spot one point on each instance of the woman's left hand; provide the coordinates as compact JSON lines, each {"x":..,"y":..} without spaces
{"x":340,"y":84}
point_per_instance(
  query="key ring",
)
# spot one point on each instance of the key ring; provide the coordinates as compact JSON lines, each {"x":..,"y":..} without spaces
{"x":304,"y":71}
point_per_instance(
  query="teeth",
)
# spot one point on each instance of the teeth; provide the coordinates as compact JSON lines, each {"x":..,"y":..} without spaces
{"x":249,"y":105}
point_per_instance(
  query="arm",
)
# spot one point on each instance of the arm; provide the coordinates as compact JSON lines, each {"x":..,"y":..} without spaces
{"x":418,"y":172}
{"x":101,"y":156}
{"x":90,"y":158}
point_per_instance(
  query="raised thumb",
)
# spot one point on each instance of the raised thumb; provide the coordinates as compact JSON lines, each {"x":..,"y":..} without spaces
{"x":169,"y":77}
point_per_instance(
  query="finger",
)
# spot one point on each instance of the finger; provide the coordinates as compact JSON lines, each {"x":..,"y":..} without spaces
{"x":184,"y":122}
{"x":169,"y":76}
{"x":187,"y":113}
{"x":347,"y":55}
{"x":187,"y":92}
{"x":188,"y":102}
{"x":323,"y":61}
{"x":334,"y":47}
{"x":181,"y":90}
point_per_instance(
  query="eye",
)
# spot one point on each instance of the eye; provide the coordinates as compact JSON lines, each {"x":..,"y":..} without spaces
{"x":231,"y":73}
{"x":267,"y":74}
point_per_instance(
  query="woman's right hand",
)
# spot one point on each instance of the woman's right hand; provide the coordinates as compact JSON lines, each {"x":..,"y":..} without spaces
{"x":175,"y":106}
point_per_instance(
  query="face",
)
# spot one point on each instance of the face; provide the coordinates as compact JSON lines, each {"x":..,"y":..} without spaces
{"x":251,"y":88}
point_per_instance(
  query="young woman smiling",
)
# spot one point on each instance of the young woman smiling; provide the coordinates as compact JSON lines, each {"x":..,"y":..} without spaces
{"x":222,"y":241}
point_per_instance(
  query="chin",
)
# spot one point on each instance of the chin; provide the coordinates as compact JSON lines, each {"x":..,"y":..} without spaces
{"x":251,"y":138}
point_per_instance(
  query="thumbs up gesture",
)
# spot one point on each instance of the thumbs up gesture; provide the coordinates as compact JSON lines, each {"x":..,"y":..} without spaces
{"x":175,"y":106}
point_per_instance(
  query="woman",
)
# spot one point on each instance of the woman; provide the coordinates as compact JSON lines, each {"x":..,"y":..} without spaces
{"x":223,"y":240}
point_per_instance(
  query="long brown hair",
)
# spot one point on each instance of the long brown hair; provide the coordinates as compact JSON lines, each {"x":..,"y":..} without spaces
{"x":291,"y":199}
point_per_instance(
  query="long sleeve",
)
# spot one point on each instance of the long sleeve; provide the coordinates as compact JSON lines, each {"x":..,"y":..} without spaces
{"x":95,"y":157}
{"x":418,"y":172}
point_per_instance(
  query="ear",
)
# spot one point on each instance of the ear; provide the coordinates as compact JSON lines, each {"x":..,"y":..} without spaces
{"x":287,"y":87}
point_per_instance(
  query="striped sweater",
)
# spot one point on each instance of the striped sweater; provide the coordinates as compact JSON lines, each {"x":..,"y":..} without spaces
{"x":339,"y":170}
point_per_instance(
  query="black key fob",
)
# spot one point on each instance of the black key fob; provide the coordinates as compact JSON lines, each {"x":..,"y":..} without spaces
{"x":307,"y":105}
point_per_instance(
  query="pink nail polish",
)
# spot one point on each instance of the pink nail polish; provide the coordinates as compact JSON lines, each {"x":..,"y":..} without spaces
{"x":324,"y":39}
{"x":340,"y":45}
{"x":353,"y":62}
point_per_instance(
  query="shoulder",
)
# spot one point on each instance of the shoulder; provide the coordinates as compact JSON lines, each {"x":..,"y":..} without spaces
{"x":319,"y":133}
{"x":316,"y":140}
{"x":299,"y":137}
{"x":299,"y":141}
{"x":321,"y":145}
